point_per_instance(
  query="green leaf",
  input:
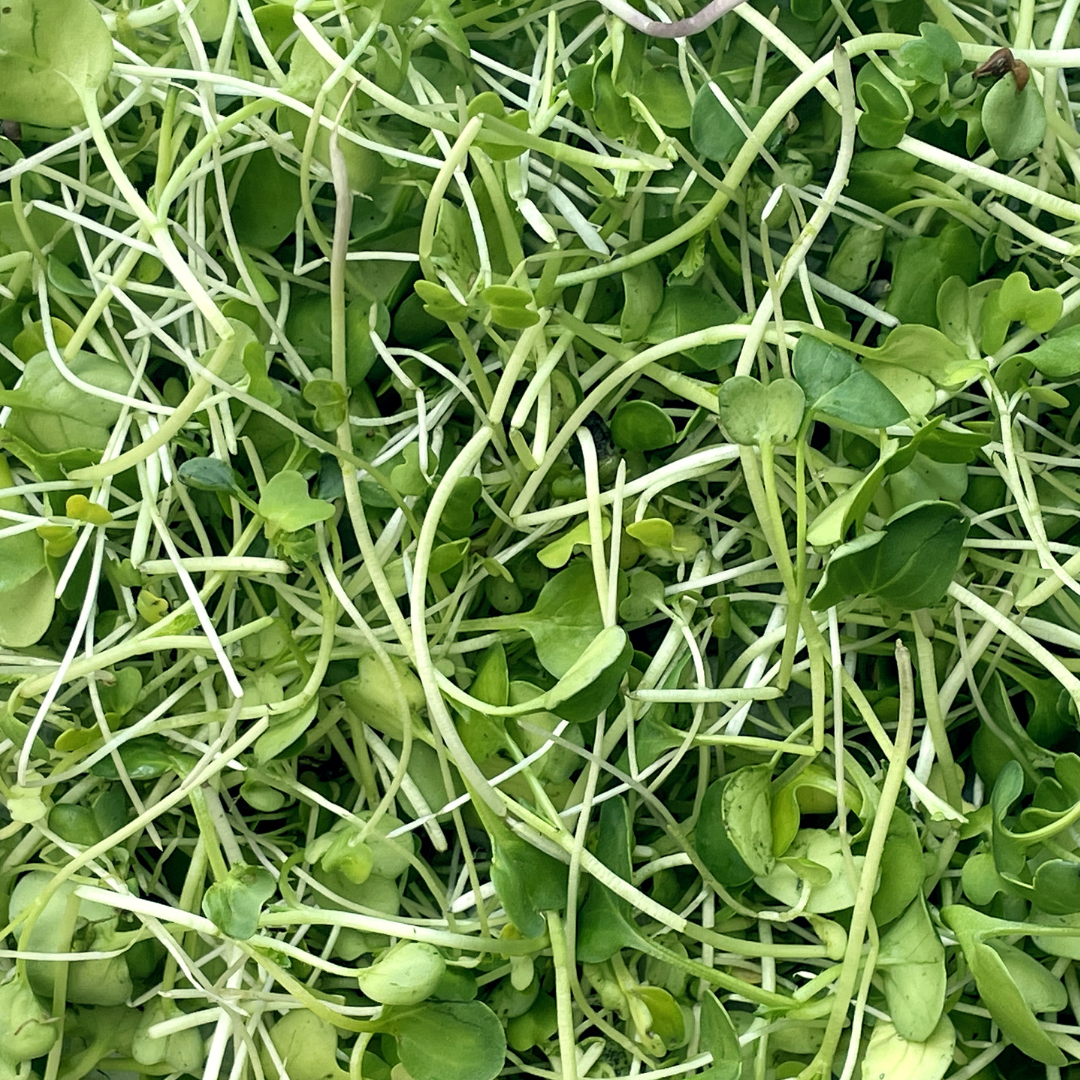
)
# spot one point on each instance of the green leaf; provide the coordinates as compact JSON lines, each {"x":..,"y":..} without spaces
{"x":407,"y":477}
{"x":933,"y":55}
{"x":1014,"y":121}
{"x":306,"y":1045}
{"x":908,"y":565}
{"x":590,"y":686}
{"x":714,"y":132}
{"x":663,"y":94}
{"x":815,"y":856}
{"x":887,"y":109}
{"x":445,"y":557}
{"x":484,"y":735}
{"x":920,"y":266}
{"x":528,"y":881}
{"x":902,"y":873}
{"x":996,"y":984}
{"x":448,"y":1040}
{"x":645,"y":595}
{"x":26,"y":611}
{"x":51,"y":415}
{"x":1058,"y":357}
{"x":604,"y":920}
{"x":912,"y":962}
{"x":718,"y":1037}
{"x":734,"y":832}
{"x":611,"y":111}
{"x":891,"y":1056}
{"x":122,"y":695}
{"x":439,"y":302}
{"x":641,"y":425}
{"x":1040,"y":309}
{"x":653,"y":532}
{"x":509,"y":307}
{"x":559,"y":552}
{"x":53,"y":54}
{"x":855,"y":258}
{"x":65,"y":280}
{"x":835,"y":384}
{"x":284,"y":732}
{"x":812,"y":791}
{"x":753,"y":414}
{"x":144,"y":758}
{"x":287,"y":506}
{"x":208,"y":474}
{"x":330,"y":400}
{"x":686,"y":309}
{"x":536,"y":1026}
{"x":235,"y":902}
{"x":1041,"y":991}
{"x":405,"y":974}
{"x":643,"y":290}
{"x":565,"y":619}
{"x":930,"y":353}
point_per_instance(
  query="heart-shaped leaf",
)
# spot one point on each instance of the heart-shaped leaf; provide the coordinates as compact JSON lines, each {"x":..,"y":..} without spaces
{"x":287,"y":506}
{"x":754,"y":414}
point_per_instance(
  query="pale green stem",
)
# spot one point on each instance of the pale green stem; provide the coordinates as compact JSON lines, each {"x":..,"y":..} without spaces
{"x":860,"y":914}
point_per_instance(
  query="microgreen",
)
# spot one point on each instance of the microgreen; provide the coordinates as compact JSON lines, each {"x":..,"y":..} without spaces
{"x":539,"y":540}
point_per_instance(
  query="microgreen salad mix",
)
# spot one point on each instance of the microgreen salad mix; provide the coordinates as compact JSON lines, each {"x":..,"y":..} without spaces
{"x":536,"y":545}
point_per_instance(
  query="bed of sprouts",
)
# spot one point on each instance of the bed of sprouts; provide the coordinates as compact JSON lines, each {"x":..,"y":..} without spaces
{"x":535,"y":548}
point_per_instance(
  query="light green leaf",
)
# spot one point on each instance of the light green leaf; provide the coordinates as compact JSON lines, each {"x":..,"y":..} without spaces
{"x":559,"y":552}
{"x":1014,"y":121}
{"x":235,"y":902}
{"x":889,"y":1056}
{"x":912,"y":962}
{"x":51,"y":415}
{"x":287,"y":506}
{"x":753,"y":414}
{"x":1058,"y":357}
{"x":52,"y":54}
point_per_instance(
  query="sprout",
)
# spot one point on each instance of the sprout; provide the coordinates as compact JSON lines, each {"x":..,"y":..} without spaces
{"x":26,"y":1029}
{"x":89,"y":982}
{"x":403,"y":975}
{"x":381,"y":699}
{"x":182,"y":1051}
{"x":307,"y":1047}
{"x":341,"y":851}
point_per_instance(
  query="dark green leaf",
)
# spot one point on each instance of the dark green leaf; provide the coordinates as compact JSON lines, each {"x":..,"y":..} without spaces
{"x":908,"y":565}
{"x":448,"y":1040}
{"x":686,"y":309}
{"x":718,"y":1037}
{"x":922,"y":264}
{"x":641,"y":425}
{"x":835,"y":384}
{"x":208,"y":474}
{"x":604,"y":923}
